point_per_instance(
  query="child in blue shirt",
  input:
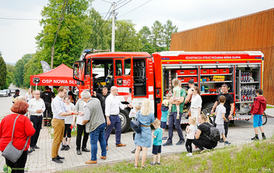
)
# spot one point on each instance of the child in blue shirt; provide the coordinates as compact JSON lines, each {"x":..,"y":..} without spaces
{"x":165,"y":112}
{"x":157,"y":142}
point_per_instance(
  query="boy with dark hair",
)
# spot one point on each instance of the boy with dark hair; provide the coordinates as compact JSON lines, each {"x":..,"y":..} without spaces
{"x":257,"y":111}
{"x":220,"y":118}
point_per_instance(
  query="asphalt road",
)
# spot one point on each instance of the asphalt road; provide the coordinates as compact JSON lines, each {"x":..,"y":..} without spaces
{"x":6,"y":102}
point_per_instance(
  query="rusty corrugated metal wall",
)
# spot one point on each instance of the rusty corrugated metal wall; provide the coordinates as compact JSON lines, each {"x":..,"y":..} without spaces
{"x":254,"y":32}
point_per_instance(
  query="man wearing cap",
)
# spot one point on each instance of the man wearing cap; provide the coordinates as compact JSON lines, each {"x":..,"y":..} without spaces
{"x":16,"y":94}
{"x":229,"y":105}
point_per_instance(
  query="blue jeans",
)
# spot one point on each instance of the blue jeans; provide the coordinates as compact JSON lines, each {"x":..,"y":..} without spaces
{"x":115,"y":122}
{"x":172,"y":120}
{"x":98,"y":134}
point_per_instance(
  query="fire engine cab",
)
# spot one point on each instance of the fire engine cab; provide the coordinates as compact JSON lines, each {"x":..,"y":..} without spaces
{"x":138,"y":75}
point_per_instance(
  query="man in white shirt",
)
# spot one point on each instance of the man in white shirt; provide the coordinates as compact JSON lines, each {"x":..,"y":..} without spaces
{"x":112,"y":110}
{"x":36,"y":109}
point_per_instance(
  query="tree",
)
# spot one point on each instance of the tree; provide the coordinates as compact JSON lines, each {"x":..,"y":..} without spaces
{"x":157,"y":39}
{"x":148,"y":48}
{"x":19,"y":69}
{"x":126,"y":38}
{"x":168,"y":30}
{"x":33,"y":67}
{"x":10,"y":75}
{"x":145,"y":35}
{"x":3,"y":72}
{"x":73,"y":34}
{"x":100,"y":37}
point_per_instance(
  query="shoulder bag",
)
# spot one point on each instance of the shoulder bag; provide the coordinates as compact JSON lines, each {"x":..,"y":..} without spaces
{"x":10,"y":152}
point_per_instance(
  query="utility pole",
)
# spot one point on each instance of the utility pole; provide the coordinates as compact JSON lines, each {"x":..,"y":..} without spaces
{"x":113,"y":29}
{"x":113,"y":26}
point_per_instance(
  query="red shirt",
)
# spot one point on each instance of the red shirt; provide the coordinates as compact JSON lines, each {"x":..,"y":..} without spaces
{"x":23,"y":129}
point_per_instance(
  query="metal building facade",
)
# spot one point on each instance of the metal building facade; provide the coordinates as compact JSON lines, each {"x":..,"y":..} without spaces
{"x":254,"y":32}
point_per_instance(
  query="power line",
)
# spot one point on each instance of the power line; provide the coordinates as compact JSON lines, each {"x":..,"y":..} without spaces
{"x":123,"y":5}
{"x":102,"y":25}
{"x":5,"y":18}
{"x":134,"y":8}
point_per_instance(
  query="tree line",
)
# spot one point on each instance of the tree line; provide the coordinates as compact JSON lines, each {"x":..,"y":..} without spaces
{"x":82,"y":27}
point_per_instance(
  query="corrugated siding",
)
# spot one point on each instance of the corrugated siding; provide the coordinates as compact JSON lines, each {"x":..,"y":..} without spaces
{"x":253,"y":32}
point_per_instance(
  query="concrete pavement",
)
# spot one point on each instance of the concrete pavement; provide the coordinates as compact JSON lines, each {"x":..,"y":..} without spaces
{"x":40,"y":160}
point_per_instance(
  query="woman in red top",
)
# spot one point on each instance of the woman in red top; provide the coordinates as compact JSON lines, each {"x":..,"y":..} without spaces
{"x":23,"y":129}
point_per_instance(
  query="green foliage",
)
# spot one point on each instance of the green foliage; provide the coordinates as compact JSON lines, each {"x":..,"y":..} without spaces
{"x":3,"y":72}
{"x":100,"y":37}
{"x":126,"y":38}
{"x":33,"y":67}
{"x":148,"y":48}
{"x":19,"y":70}
{"x":73,"y":34}
{"x":158,"y":37}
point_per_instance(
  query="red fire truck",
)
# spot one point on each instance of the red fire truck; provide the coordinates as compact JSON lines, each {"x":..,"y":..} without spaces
{"x":138,"y":75}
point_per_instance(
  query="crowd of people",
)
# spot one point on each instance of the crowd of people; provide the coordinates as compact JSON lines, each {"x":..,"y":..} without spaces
{"x":96,"y":115}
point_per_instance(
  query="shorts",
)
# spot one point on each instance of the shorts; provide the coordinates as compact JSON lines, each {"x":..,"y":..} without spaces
{"x":257,"y":120}
{"x":163,"y":125}
{"x":221,"y":128}
{"x":156,"y":149}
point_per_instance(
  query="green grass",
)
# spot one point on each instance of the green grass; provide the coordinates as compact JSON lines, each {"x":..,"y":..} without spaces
{"x":269,"y":106}
{"x":255,"y":157}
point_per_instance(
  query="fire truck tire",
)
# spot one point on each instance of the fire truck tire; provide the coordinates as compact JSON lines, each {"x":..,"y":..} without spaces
{"x":125,"y":120}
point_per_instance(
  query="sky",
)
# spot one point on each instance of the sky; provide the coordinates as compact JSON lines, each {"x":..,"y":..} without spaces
{"x":17,"y":35}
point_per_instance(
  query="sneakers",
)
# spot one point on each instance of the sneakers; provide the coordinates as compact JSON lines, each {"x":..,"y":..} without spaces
{"x":59,"y":157}
{"x":255,"y":138}
{"x":91,"y":162}
{"x":67,"y":148}
{"x":221,"y":140}
{"x":180,"y":142}
{"x":56,"y":160}
{"x":36,"y":147}
{"x":167,"y":144}
{"x":264,"y":138}
{"x":133,"y":151}
{"x":63,"y":147}
{"x":227,"y":143}
{"x":152,"y":163}
{"x":189,"y":154}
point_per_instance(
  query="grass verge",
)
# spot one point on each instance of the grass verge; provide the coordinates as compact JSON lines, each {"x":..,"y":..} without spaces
{"x":268,"y":106}
{"x":254,"y":157}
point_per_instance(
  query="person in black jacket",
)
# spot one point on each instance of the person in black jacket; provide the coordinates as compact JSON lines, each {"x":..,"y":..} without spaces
{"x":102,"y":97}
{"x":201,"y":137}
{"x":47,"y":96}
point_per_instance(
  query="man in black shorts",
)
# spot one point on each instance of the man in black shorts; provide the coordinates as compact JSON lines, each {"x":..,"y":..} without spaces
{"x":229,"y":105}
{"x":47,"y":96}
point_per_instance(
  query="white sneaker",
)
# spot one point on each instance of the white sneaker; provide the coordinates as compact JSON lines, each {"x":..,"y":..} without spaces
{"x":189,"y":154}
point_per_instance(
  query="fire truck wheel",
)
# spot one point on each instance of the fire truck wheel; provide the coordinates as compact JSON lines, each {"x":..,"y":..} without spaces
{"x":125,"y":120}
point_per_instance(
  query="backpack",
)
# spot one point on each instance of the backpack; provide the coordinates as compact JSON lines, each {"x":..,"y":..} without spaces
{"x":135,"y":124}
{"x":214,"y":134}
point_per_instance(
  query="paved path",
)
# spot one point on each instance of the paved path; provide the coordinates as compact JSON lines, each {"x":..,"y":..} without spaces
{"x":40,"y":160}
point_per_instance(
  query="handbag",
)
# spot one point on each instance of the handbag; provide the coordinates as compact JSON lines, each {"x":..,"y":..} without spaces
{"x":11,"y":153}
{"x":135,"y":124}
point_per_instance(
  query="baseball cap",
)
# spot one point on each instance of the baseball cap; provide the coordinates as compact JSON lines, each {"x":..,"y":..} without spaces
{"x":191,"y":81}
